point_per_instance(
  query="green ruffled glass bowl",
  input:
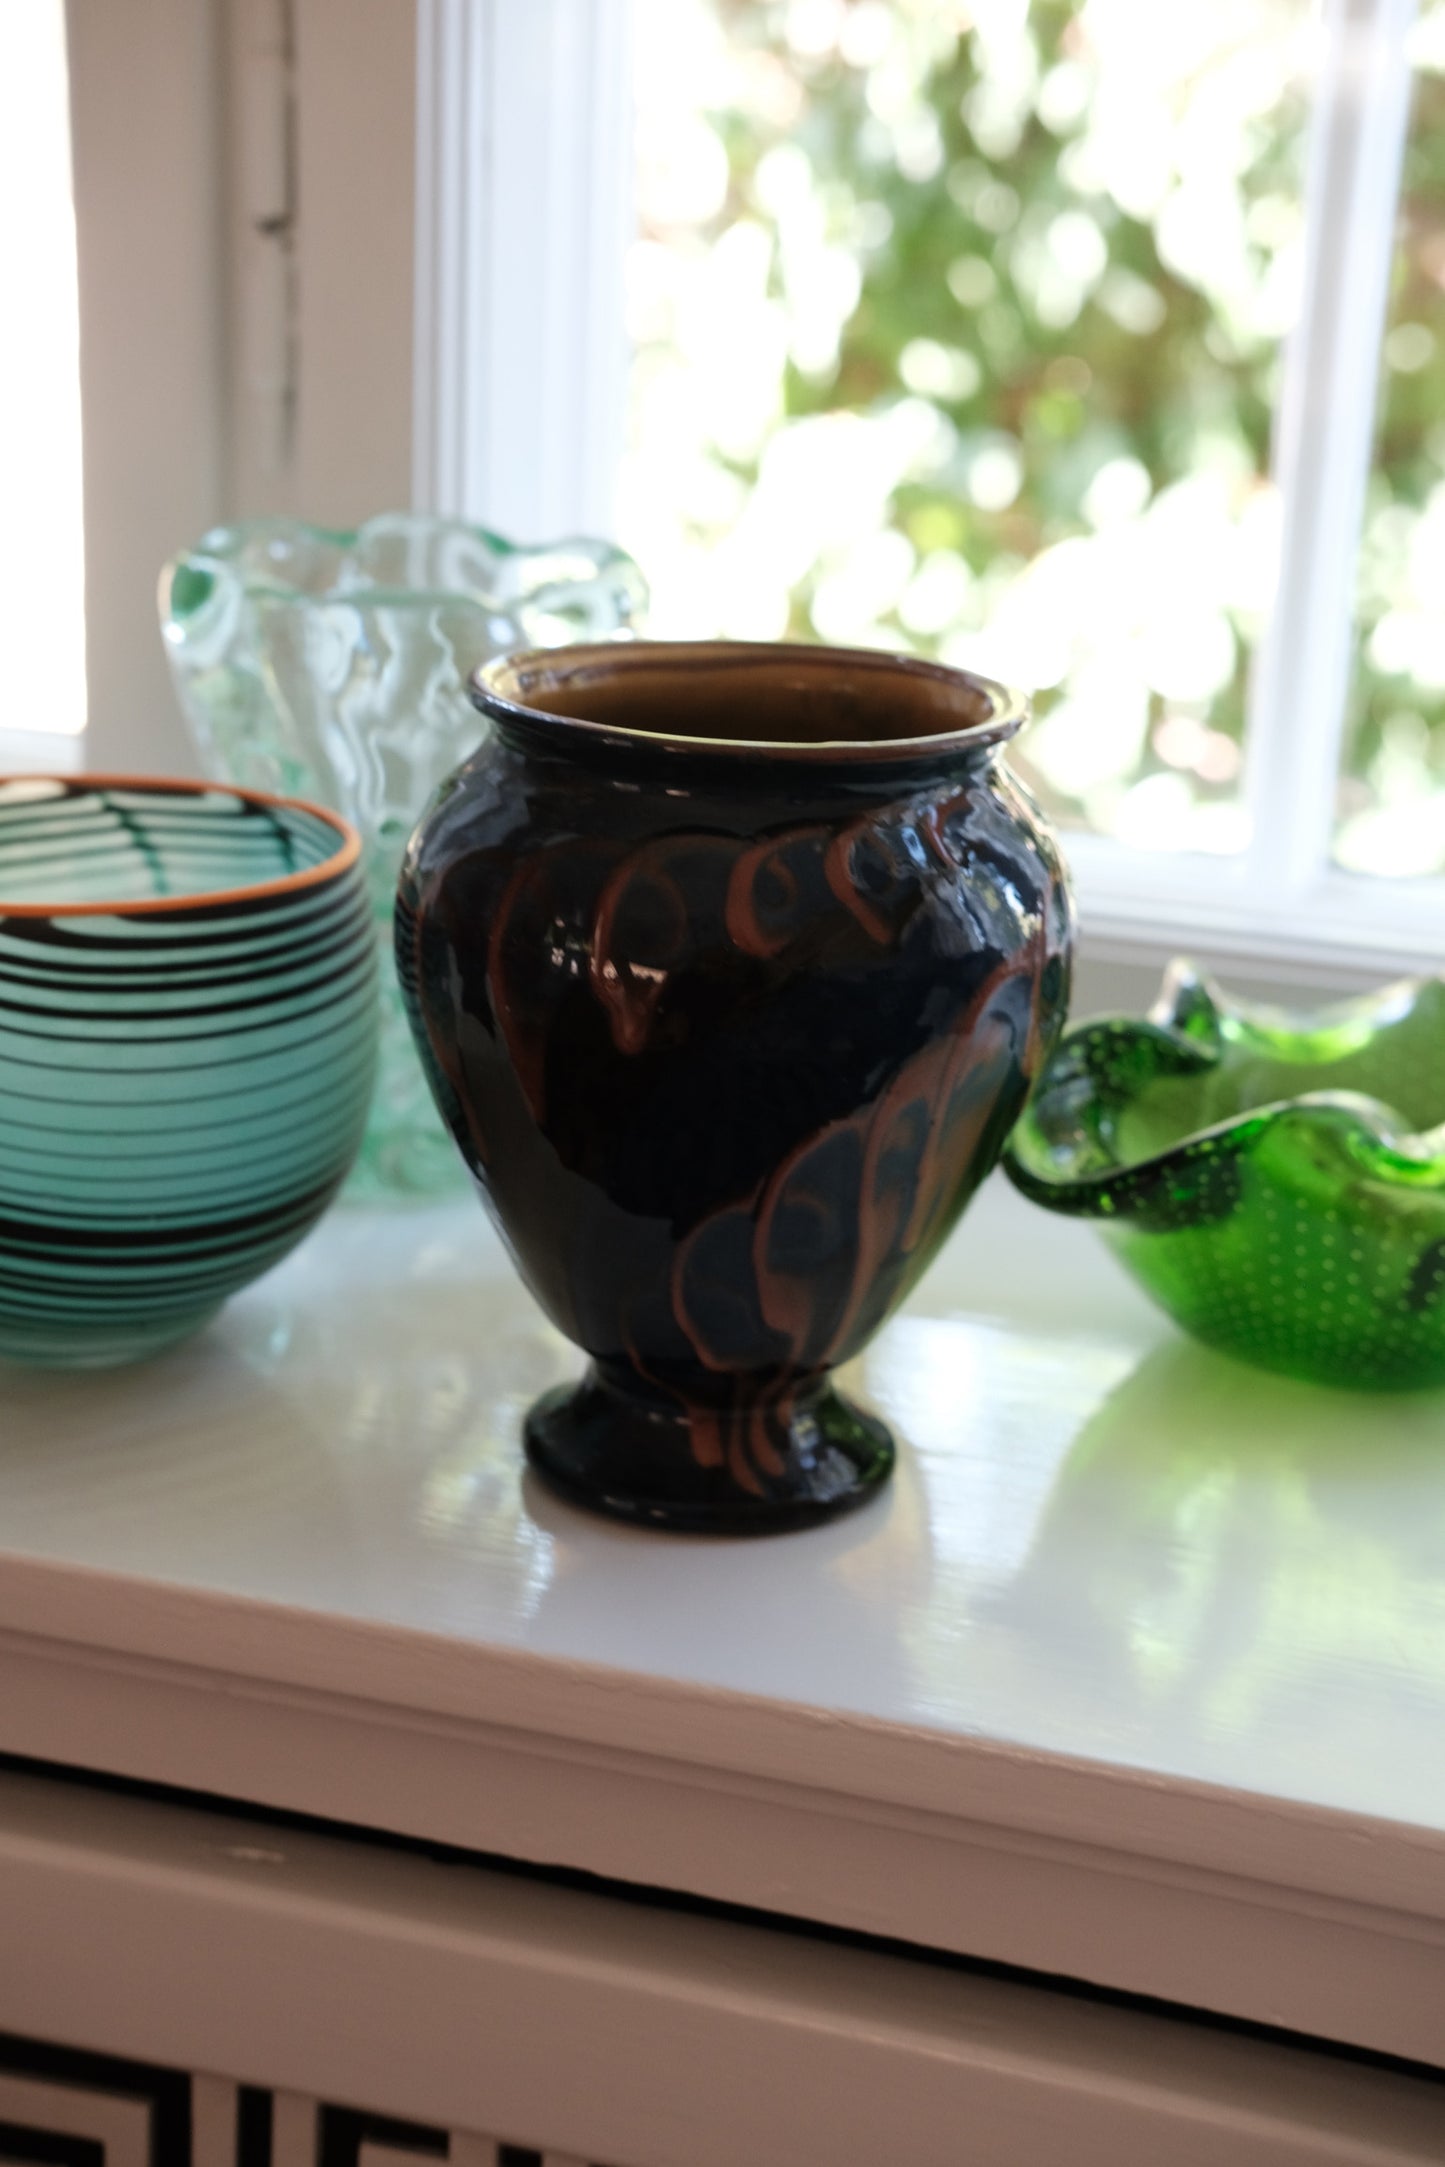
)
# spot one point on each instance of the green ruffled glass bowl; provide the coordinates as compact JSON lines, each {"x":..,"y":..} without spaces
{"x":187,"y":1048}
{"x":334,"y":665}
{"x":1275,"y":1181}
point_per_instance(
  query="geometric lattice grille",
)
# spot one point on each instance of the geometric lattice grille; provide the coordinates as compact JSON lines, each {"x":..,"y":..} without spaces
{"x":68,"y":2107}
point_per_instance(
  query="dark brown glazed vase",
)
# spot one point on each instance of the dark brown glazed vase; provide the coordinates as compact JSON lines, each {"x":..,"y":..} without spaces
{"x":731,"y":967}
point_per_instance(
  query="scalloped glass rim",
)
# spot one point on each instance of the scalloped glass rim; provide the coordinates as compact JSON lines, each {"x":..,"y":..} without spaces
{"x":189,"y":579}
{"x":1191,"y":1019}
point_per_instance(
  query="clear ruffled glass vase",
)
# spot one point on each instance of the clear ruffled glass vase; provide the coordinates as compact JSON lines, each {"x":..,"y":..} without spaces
{"x":334,"y":666}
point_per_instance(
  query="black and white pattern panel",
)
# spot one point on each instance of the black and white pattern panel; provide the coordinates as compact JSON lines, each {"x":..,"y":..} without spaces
{"x":68,"y":2107}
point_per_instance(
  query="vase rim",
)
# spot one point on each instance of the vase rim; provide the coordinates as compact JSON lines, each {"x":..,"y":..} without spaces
{"x":516,"y":689}
{"x":341,"y":860}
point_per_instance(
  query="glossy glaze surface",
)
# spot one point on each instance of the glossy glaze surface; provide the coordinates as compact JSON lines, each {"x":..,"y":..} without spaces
{"x":731,"y":968}
{"x":1276,"y":1181}
{"x":187,"y":1045}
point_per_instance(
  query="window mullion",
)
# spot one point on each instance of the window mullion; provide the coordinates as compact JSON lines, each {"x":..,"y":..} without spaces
{"x":1324,"y":437}
{"x":524,"y":190}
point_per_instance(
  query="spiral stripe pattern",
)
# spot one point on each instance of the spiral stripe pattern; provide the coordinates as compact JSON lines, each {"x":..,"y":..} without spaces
{"x":188,"y":1016}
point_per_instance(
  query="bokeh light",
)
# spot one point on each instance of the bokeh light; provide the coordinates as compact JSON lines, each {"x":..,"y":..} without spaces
{"x":957,"y":329}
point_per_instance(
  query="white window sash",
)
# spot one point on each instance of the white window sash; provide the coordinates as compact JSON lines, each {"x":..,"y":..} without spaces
{"x":523,"y":208}
{"x":1324,"y":440}
{"x":1284,"y":899}
{"x":508,"y":273}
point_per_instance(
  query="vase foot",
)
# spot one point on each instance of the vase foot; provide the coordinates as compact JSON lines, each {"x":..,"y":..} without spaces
{"x":750,"y":1468}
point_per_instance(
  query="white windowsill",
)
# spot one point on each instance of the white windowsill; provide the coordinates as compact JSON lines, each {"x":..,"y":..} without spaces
{"x":40,"y":752}
{"x":1070,"y":1696}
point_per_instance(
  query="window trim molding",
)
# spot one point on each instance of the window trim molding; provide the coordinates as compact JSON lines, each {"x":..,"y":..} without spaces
{"x":1340,"y":932}
{"x":318,"y":156}
{"x":191,"y":347}
{"x":145,"y":104}
{"x":523,"y":216}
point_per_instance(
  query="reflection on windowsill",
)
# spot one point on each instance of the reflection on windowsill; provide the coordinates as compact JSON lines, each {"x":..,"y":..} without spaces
{"x":1223,"y":1556}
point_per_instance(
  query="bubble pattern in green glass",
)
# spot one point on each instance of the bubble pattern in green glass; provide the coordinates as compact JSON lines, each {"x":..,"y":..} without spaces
{"x":1275,"y":1182}
{"x":188,"y":1016}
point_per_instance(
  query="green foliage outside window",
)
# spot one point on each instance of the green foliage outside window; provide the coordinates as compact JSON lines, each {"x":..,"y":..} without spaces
{"x":958,"y":329}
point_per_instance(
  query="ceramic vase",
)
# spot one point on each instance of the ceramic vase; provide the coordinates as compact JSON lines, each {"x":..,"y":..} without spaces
{"x":730,"y":966}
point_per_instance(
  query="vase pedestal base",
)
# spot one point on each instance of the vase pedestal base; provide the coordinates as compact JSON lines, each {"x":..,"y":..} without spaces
{"x":745,"y":1466}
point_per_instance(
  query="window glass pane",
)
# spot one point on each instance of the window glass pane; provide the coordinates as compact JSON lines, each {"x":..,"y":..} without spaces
{"x":42,"y":603}
{"x":957,"y":325}
{"x":1392,"y":794}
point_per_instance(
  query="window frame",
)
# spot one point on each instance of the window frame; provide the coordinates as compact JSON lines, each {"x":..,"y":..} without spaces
{"x":1280,"y":902}
{"x":465,"y":172}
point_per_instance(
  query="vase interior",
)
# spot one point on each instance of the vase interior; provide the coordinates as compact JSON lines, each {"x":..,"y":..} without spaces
{"x":768,"y":696}
{"x":91,"y":844}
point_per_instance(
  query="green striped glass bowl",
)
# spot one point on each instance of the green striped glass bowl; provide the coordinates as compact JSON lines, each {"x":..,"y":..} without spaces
{"x":188,"y":1023}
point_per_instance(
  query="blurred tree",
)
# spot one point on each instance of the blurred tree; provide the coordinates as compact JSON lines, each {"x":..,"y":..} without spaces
{"x":1062,"y":239}
{"x":960,"y":331}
